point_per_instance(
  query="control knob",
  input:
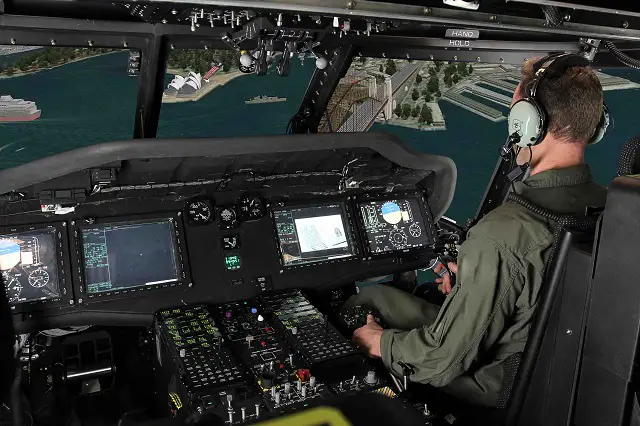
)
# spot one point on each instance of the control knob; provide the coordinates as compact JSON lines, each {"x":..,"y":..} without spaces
{"x":312,"y":382}
{"x":371,"y":378}
{"x":287,"y":388}
{"x":277,"y":398}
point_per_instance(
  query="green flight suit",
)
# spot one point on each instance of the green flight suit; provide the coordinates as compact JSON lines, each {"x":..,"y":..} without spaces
{"x":461,"y":346}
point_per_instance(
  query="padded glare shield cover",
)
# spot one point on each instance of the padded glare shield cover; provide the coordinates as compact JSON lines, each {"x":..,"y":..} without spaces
{"x":526,"y":119}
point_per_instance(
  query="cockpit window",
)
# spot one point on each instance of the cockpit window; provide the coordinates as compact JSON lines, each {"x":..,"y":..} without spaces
{"x":460,"y":110}
{"x":55,"y":99}
{"x":206,"y":95}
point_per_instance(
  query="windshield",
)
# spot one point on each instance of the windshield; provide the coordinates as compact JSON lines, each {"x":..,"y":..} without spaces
{"x":54,"y":99}
{"x":206,"y":95}
{"x":460,"y":110}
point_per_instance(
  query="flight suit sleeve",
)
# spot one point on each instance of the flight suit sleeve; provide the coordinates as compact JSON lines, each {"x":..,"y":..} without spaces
{"x":485,"y":294}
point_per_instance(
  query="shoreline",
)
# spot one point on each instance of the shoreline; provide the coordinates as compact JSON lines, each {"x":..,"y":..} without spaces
{"x":216,"y":81}
{"x":22,"y":74}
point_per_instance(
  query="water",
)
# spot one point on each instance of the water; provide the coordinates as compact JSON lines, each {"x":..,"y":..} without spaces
{"x":93,"y":101}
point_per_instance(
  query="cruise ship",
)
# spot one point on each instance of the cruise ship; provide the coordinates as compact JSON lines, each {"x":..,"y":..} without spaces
{"x":17,"y":109}
{"x":264,"y":100}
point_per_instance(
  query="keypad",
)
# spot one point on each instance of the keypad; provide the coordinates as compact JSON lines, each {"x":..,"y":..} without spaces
{"x":306,"y":328}
{"x":198,"y":347}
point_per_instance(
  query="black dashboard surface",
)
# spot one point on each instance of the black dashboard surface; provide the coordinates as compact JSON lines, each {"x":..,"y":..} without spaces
{"x":219,"y":199}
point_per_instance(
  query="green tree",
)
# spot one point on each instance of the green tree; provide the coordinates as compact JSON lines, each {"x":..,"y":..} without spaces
{"x":415,"y":112}
{"x":426,"y":115}
{"x":418,"y":79}
{"x":438,"y":93}
{"x":398,"y":110}
{"x":10,"y":70}
{"x":428,"y":97}
{"x":438,"y":65}
{"x":447,"y":80}
{"x":462,"y":69}
{"x":381,"y":68}
{"x":415,"y":95}
{"x":433,"y":85}
{"x":455,"y":78}
{"x":203,"y":66}
{"x":391,"y":67}
{"x":433,"y":71}
{"x":470,"y":68}
{"x":406,"y":111}
{"x":363,"y":59}
{"x":3,"y":68}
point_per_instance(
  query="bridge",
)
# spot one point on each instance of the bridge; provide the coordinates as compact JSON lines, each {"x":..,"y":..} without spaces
{"x":361,"y":97}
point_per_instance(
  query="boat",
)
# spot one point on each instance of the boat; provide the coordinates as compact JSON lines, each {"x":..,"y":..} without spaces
{"x":17,"y":109}
{"x":262,"y":99}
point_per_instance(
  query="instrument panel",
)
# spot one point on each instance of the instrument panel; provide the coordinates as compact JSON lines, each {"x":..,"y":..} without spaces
{"x":204,"y":248}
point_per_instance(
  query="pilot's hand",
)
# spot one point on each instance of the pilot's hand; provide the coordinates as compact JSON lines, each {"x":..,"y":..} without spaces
{"x":368,"y":336}
{"x":444,"y":283}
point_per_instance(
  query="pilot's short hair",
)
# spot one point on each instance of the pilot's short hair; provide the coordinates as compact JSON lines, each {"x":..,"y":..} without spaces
{"x":573,"y":102}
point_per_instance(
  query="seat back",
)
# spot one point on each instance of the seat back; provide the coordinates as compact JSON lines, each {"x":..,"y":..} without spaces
{"x":520,"y":367}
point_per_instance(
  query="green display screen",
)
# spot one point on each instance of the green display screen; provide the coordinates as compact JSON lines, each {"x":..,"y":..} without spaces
{"x":232,"y":262}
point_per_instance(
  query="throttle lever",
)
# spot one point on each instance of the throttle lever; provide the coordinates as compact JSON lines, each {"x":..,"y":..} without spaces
{"x":407,"y":371}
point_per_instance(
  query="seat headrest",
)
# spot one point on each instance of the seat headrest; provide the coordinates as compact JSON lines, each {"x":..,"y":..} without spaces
{"x":629,"y":163}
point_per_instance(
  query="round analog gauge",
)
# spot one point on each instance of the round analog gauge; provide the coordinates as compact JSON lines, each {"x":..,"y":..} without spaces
{"x":251,"y":208}
{"x":199,"y":212}
{"x":398,"y":239}
{"x":415,"y":230}
{"x":228,"y":218}
{"x":38,"y":278}
{"x":14,"y":288}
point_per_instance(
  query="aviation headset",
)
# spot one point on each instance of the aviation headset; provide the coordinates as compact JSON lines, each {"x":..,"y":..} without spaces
{"x":528,"y":119}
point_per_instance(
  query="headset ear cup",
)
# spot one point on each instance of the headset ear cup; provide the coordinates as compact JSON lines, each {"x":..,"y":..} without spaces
{"x":603,"y":125}
{"x":527,"y":119}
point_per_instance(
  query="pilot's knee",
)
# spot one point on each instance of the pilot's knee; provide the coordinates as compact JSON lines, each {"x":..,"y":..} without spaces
{"x":370,"y":296}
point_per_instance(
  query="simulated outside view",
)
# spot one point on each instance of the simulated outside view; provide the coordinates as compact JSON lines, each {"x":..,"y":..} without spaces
{"x":57,"y":99}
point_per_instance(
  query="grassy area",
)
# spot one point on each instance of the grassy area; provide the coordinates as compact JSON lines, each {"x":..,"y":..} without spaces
{"x":48,"y":58}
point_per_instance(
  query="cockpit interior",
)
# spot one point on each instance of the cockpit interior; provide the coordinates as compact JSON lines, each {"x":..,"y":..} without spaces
{"x":191,"y":190}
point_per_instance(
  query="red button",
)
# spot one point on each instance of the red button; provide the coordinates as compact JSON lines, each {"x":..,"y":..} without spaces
{"x":281,"y":366}
{"x":263,"y":344}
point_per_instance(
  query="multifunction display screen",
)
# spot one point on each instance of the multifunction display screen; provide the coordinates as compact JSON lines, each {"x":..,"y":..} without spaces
{"x":29,"y":266}
{"x":120,"y":256}
{"x":393,"y":225}
{"x":313,"y":234}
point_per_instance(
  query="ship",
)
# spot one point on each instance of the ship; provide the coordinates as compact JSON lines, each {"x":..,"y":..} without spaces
{"x":17,"y":109}
{"x":264,"y":100}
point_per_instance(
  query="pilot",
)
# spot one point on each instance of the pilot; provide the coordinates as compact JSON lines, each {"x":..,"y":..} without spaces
{"x":461,"y":346}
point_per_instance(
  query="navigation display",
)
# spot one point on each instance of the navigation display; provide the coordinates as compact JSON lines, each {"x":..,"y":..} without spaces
{"x":126,"y":255}
{"x":392,"y":225}
{"x":313,"y":234}
{"x":29,"y":266}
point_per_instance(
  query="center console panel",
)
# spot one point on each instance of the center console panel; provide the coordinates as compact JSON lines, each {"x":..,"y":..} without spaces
{"x":257,"y":357}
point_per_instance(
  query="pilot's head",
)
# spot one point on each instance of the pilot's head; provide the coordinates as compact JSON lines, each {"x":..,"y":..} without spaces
{"x":573,"y":103}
